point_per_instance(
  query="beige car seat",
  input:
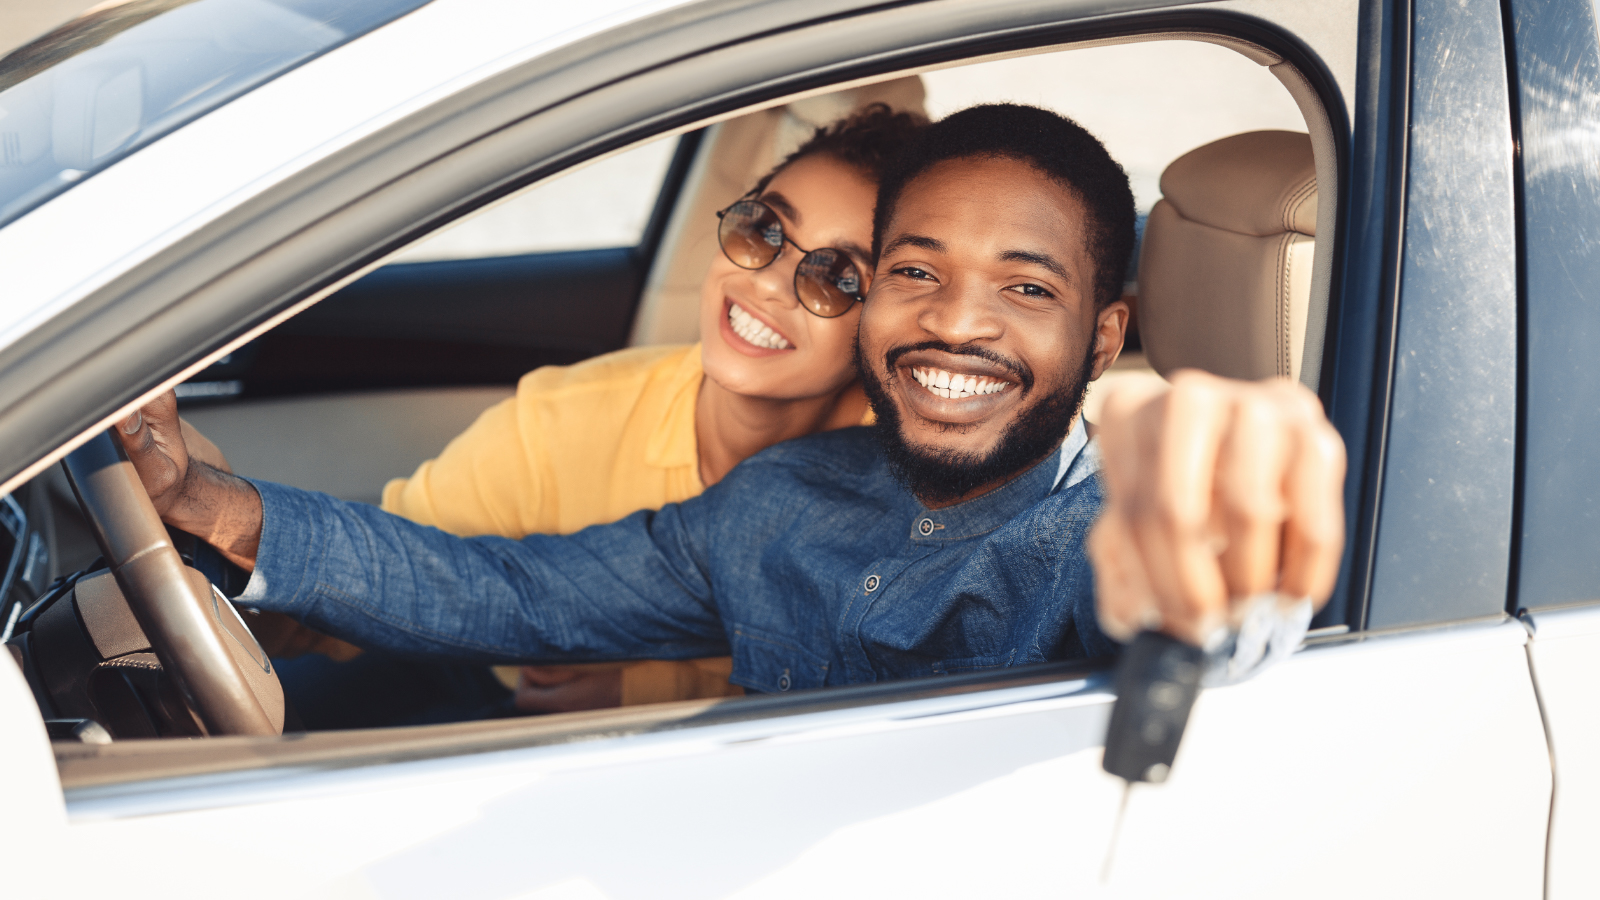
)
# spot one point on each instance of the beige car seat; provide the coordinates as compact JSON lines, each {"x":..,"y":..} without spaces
{"x":732,"y":157}
{"x":1225,"y":264}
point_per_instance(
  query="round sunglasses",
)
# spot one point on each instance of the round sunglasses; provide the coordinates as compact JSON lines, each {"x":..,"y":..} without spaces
{"x":826,"y":281}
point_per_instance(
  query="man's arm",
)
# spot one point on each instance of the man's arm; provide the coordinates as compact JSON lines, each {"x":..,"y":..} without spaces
{"x":630,"y":589}
{"x":1217,"y":491}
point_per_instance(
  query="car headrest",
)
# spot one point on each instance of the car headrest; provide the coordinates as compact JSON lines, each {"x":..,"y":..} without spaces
{"x":1225,"y":262}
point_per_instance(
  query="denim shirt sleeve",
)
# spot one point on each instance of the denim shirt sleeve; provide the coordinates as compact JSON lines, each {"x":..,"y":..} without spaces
{"x":633,"y":589}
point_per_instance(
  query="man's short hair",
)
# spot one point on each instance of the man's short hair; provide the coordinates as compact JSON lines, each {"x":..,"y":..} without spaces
{"x":1057,"y":147}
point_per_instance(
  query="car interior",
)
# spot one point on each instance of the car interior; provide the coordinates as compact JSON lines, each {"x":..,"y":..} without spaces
{"x":1226,"y":145}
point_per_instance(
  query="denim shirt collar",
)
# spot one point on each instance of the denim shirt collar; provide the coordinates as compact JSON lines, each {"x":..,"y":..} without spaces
{"x":988,"y":512}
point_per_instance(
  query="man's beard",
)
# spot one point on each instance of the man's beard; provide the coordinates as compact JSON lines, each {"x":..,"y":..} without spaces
{"x":939,"y":476}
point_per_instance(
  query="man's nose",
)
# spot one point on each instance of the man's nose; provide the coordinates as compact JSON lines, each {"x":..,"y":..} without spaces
{"x":963,"y":312}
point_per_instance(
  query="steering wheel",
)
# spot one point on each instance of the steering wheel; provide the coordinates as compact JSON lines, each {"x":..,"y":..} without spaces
{"x":201,"y":641}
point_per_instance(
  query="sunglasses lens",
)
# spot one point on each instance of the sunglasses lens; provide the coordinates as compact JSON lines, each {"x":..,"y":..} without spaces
{"x":750,"y":234}
{"x":827,"y":282}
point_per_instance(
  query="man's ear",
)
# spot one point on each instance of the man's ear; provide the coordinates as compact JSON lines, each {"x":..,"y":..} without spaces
{"x":1110,"y":330}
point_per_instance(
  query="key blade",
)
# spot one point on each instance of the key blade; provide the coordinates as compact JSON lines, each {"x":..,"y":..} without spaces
{"x":1116,"y":834}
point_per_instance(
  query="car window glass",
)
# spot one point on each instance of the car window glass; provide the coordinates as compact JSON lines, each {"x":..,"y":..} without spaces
{"x":603,"y":205}
{"x":127,"y":72}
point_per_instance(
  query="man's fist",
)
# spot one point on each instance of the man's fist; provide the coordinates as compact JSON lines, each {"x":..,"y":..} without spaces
{"x":1217,"y":491}
{"x":189,"y":481}
{"x":154,"y":439}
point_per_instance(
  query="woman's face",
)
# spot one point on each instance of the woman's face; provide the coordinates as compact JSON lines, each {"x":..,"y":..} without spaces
{"x":823,"y":203}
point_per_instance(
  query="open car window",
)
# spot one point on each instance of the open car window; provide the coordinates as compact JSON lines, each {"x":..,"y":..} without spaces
{"x":607,"y":204}
{"x":448,"y":323}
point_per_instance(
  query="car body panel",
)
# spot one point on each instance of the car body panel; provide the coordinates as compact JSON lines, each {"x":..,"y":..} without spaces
{"x":941,"y":797}
{"x":34,"y":810}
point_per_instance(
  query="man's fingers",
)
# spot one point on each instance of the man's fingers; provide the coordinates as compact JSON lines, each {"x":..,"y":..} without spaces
{"x":1314,"y":533}
{"x":153,"y":439}
{"x":1171,"y":506}
{"x":1125,"y":604}
{"x":1217,"y":490}
{"x":1250,"y":506}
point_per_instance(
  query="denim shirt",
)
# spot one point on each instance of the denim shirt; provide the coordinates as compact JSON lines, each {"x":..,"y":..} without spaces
{"x":809,"y":564}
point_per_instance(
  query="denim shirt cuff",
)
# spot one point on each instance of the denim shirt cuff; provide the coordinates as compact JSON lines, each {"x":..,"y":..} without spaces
{"x":289,"y":519}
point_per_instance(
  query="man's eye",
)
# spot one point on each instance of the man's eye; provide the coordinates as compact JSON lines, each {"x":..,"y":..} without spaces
{"x":911,"y":272}
{"x":1034,"y":290}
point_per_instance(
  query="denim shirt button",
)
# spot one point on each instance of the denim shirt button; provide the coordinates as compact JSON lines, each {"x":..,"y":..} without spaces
{"x":783,"y":681}
{"x":925,"y":527}
{"x":872,"y":583}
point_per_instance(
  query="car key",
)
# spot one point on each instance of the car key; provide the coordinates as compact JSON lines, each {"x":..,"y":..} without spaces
{"x":1157,"y":682}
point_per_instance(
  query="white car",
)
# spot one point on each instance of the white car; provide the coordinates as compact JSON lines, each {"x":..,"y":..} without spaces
{"x":244,"y":198}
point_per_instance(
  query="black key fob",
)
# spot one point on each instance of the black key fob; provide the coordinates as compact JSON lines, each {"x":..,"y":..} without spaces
{"x":1157,"y":681}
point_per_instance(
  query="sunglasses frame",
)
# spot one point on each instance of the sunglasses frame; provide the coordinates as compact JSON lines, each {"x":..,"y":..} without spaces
{"x":857,"y":297}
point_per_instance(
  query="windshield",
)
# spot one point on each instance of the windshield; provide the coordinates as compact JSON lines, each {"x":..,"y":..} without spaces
{"x":129,"y":71}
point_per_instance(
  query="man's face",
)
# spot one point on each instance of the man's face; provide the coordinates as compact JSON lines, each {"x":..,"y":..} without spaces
{"x":980,"y":332}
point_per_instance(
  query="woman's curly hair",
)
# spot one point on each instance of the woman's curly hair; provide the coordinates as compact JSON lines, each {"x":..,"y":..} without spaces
{"x":868,"y":140}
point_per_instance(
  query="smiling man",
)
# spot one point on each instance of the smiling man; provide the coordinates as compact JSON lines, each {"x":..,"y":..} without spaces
{"x":950,"y":537}
{"x":1001,"y":243}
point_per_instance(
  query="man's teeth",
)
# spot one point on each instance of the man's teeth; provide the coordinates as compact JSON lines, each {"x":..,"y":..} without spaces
{"x":956,"y":387}
{"x":753,"y":330}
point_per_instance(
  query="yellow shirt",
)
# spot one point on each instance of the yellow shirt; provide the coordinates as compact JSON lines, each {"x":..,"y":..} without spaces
{"x":577,"y":446}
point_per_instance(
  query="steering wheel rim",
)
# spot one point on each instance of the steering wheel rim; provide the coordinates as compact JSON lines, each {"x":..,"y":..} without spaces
{"x":178,"y":611}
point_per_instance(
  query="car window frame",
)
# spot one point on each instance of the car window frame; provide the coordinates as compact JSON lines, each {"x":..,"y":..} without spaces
{"x":1435,"y":532}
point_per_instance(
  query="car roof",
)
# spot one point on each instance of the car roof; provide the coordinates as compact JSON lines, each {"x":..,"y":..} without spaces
{"x":84,"y":238}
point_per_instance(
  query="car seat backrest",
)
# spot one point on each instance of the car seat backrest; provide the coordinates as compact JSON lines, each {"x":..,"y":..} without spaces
{"x":1226,"y":259}
{"x":733,"y":155}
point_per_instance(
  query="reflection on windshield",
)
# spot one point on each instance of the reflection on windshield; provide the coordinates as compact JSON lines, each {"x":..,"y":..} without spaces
{"x":129,"y":71}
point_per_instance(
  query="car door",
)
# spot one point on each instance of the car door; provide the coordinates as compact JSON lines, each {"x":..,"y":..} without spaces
{"x":1340,"y":771}
{"x":1437,"y":757}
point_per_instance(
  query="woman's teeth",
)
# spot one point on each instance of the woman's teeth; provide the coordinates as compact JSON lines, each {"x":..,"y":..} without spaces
{"x":753,"y":330}
{"x":956,"y":387}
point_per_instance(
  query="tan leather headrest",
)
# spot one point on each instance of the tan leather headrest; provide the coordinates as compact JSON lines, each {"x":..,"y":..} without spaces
{"x":1225,"y":264}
